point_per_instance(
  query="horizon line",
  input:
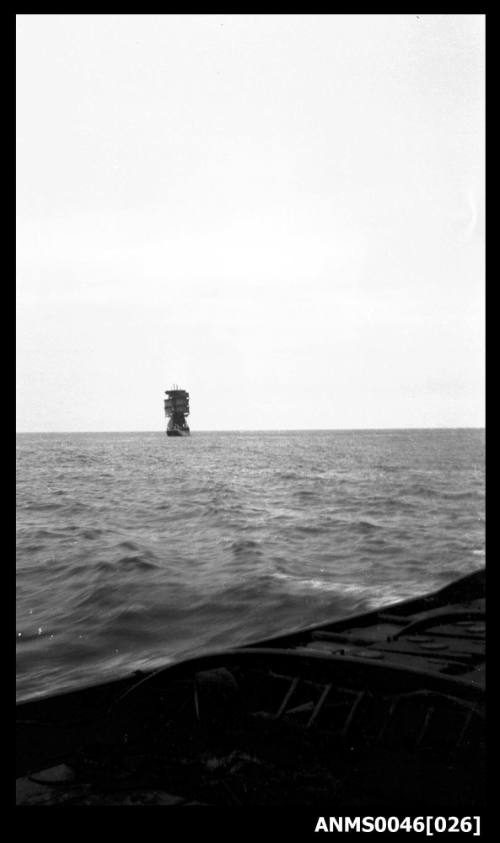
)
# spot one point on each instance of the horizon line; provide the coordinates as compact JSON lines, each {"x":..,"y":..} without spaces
{"x":258,"y":430}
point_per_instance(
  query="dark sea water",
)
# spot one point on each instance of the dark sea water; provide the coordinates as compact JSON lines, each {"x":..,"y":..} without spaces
{"x":135,"y":550}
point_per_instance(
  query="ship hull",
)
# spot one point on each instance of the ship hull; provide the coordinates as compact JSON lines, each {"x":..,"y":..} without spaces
{"x":375,"y":710}
{"x":178,"y":432}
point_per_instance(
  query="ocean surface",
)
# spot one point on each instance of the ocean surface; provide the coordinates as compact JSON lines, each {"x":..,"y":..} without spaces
{"x":134,"y":550}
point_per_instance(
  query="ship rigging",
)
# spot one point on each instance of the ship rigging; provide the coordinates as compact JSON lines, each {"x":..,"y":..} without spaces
{"x":176,"y":406}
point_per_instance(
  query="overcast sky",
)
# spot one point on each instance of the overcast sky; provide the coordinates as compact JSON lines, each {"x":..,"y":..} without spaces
{"x":281,"y":213}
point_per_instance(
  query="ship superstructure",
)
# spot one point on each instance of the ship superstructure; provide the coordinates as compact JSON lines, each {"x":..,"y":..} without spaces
{"x":176,"y":409}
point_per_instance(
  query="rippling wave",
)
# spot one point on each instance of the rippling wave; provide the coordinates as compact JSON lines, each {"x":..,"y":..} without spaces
{"x":135,"y":550}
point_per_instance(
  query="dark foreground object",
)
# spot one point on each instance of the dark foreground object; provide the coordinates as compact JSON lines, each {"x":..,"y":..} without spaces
{"x":378,"y":710}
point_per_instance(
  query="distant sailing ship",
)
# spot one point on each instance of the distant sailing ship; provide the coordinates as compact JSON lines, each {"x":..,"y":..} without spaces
{"x":176,"y":409}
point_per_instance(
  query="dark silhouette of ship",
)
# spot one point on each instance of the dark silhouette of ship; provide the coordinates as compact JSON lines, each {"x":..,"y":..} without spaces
{"x":176,"y":409}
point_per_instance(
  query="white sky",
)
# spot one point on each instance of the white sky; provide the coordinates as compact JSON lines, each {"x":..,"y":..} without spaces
{"x":281,"y":213}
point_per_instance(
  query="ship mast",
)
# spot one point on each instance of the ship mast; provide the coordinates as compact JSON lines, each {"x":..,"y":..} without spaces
{"x":176,"y":405}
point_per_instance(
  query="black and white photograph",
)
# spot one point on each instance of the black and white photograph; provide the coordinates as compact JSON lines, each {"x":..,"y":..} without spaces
{"x":250,"y":415}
